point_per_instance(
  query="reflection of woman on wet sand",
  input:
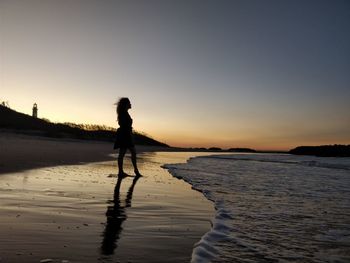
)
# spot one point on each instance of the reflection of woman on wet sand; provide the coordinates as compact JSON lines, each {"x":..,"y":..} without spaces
{"x":116,"y":215}
{"x":124,"y":139}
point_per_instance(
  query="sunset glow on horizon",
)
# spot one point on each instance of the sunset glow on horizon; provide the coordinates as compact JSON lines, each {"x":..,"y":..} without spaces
{"x":268,"y":75}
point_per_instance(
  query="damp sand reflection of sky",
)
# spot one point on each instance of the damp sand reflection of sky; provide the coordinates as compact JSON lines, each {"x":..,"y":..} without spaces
{"x":80,"y":212}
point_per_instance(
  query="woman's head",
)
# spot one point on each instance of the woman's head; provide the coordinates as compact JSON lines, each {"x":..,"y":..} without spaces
{"x":123,"y":105}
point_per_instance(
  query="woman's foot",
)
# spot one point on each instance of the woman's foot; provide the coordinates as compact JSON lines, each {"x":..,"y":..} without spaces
{"x":122,"y":174}
{"x":137,"y":173}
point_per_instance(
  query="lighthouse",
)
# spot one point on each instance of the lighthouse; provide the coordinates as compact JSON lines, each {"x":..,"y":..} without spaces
{"x":35,"y":110}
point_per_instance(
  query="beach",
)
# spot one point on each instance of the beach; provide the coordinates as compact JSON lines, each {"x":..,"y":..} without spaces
{"x":61,"y":201}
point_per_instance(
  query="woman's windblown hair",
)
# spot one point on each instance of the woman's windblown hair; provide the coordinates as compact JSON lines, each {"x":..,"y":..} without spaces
{"x":122,"y":105}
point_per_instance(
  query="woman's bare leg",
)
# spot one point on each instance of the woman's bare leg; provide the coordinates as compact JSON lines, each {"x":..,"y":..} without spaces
{"x":122,"y":152}
{"x":134,"y":160}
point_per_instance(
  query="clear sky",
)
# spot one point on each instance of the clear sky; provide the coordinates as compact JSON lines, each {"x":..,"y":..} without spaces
{"x":261,"y":74}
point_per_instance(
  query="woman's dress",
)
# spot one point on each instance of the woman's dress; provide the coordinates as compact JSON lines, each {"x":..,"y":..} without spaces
{"x":124,"y":137}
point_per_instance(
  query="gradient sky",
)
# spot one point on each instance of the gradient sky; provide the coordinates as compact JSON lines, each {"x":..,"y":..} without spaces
{"x":260,"y":74}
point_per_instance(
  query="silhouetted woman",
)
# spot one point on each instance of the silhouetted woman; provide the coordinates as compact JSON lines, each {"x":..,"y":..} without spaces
{"x":124,"y":139}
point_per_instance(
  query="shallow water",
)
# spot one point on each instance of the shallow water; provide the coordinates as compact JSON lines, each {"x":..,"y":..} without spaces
{"x":273,"y":207}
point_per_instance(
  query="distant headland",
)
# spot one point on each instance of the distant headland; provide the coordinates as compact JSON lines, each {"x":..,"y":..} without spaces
{"x":335,"y":150}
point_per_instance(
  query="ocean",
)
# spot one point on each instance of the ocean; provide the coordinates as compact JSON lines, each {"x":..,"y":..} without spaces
{"x":272,"y":207}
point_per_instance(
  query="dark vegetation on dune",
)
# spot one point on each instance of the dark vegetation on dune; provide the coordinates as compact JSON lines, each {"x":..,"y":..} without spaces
{"x":323,"y":150}
{"x":242,"y":150}
{"x":12,"y":120}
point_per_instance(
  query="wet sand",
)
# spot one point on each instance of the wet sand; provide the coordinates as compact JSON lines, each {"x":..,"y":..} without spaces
{"x":83,"y":213}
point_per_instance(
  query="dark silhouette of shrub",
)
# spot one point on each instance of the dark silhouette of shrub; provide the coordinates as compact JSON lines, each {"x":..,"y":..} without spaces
{"x":242,"y":150}
{"x":215,"y":149}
